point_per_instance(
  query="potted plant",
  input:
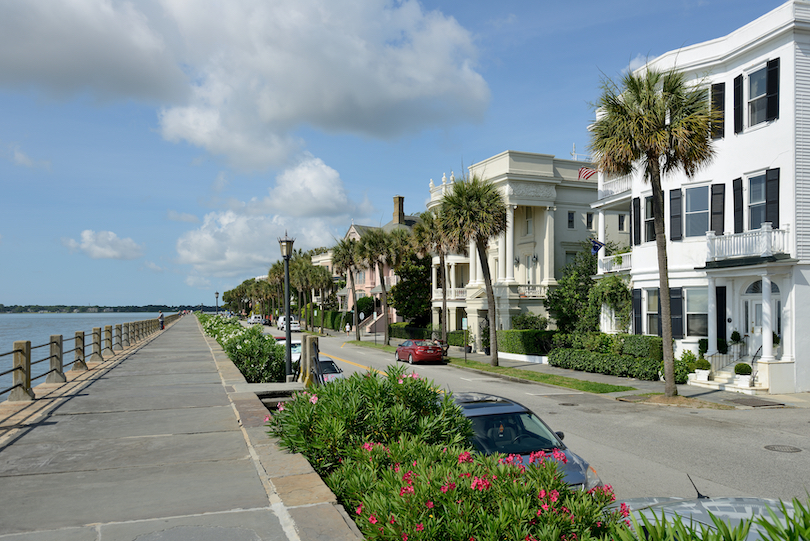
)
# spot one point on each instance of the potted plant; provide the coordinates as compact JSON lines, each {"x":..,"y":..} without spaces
{"x":469,"y":339}
{"x":742,"y":373}
{"x":776,"y":343}
{"x":485,"y":340}
{"x":703,"y":369}
{"x":736,"y":344}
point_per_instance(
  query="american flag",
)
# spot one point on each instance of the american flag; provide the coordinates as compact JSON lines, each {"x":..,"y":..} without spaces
{"x":585,"y":173}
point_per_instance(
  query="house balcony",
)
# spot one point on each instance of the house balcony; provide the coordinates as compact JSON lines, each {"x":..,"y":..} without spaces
{"x":615,"y":263}
{"x":763,"y":242}
{"x":453,"y":294}
{"x":532,"y":291}
{"x":615,"y":186}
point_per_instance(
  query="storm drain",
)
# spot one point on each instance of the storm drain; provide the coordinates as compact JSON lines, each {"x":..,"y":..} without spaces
{"x":568,"y":404}
{"x":783,"y":448}
{"x":755,"y":402}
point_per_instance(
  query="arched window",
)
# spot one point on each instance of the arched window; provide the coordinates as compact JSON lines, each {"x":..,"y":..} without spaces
{"x":756,"y":288}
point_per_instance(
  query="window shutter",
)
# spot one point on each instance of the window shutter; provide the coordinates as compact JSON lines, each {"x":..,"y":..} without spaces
{"x":718,"y":108}
{"x":637,"y":311}
{"x":636,"y":219}
{"x":772,"y":90}
{"x":720,"y":294}
{"x":675,"y":215}
{"x":738,"y":108}
{"x":738,"y":205}
{"x":676,"y":309}
{"x":660,"y":332}
{"x":772,"y":197}
{"x":718,"y":208}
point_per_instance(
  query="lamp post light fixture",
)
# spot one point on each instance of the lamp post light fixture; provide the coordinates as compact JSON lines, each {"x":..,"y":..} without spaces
{"x":216,"y":299}
{"x":286,"y":245}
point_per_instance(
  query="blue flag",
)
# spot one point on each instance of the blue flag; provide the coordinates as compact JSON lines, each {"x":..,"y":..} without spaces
{"x":596,"y":246}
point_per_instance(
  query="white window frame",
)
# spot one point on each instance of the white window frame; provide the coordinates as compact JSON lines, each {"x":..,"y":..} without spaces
{"x":529,"y":214}
{"x":589,"y":221}
{"x":749,"y":205}
{"x":651,"y":314}
{"x":693,"y":310}
{"x":687,"y":213}
{"x":649,"y":221}
{"x":760,"y":99}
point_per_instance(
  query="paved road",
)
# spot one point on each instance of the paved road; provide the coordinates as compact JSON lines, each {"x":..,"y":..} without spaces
{"x":645,"y":450}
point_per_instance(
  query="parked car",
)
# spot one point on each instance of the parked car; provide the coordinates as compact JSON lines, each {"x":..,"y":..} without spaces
{"x":330,"y":370}
{"x":267,"y":321}
{"x":417,"y":351}
{"x":294,"y":325}
{"x":501,"y":425}
{"x":732,"y":511}
{"x":295,"y":348}
{"x":255,"y":319}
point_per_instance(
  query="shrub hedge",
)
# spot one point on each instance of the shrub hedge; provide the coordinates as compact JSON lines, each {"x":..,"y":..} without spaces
{"x":605,"y":363}
{"x":525,"y":342}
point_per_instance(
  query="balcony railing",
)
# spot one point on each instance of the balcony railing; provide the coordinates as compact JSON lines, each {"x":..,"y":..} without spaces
{"x":762,"y":242}
{"x":615,"y":263}
{"x":615,"y":186}
{"x":532,"y":291}
{"x":453,"y":294}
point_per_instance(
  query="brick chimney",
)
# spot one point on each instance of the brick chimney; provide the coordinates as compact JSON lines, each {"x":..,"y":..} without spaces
{"x":399,"y":209}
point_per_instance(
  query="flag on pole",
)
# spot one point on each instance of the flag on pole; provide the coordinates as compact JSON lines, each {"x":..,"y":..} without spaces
{"x":585,"y":173}
{"x":596,"y":246}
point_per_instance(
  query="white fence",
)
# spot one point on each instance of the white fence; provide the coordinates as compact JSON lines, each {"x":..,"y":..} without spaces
{"x":762,"y":242}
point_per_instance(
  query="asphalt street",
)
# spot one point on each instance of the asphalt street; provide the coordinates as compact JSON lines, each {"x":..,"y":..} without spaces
{"x":644,"y":450}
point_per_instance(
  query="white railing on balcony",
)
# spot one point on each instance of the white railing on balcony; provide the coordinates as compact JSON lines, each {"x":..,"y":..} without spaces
{"x":453,"y":294}
{"x":762,"y":242}
{"x":532,"y":291}
{"x":615,"y":263}
{"x":615,"y":186}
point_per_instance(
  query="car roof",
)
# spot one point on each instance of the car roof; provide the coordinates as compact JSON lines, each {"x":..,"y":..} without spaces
{"x":477,"y":404}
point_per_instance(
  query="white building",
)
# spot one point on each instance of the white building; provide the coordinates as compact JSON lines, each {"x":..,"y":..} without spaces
{"x":738,"y":233}
{"x":549,"y":217}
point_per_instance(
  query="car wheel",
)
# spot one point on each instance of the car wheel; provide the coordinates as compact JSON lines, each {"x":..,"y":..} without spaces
{"x":396,"y":356}
{"x":410,"y":358}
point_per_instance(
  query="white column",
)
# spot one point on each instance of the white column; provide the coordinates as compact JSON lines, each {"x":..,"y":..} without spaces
{"x":510,"y":245}
{"x":548,"y":248}
{"x":474,"y":264}
{"x":502,"y":257}
{"x":433,"y":280}
{"x":712,"y":317}
{"x":601,"y":226}
{"x":767,"y":320}
{"x":452,"y":274}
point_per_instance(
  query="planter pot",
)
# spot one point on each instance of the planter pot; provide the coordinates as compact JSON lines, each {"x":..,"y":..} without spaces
{"x":702,"y":375}
{"x":742,"y":381}
{"x":468,"y":349}
{"x":487,"y":351}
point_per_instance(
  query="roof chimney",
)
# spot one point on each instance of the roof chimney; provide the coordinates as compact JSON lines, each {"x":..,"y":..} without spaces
{"x":399,"y":209}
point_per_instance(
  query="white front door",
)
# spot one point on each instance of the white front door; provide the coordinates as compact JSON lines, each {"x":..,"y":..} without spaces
{"x":754,"y":331}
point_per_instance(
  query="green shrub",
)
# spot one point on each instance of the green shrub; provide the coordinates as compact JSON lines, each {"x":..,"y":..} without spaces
{"x":703,"y":346}
{"x":528,"y":320}
{"x":688,"y":357}
{"x":735,"y":337}
{"x":526,"y":342}
{"x":367,"y":407}
{"x":742,"y":369}
{"x":605,"y":363}
{"x":703,"y":364}
{"x":456,"y":338}
{"x":640,"y":345}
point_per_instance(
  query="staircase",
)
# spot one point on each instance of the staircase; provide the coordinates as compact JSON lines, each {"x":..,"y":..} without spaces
{"x":724,"y":379}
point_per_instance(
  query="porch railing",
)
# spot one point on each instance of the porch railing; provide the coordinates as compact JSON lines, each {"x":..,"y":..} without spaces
{"x":615,"y":263}
{"x":453,"y":293}
{"x":532,"y":291}
{"x":615,"y":186}
{"x":762,"y":242}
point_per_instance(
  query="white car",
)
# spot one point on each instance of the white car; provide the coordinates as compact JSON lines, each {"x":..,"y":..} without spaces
{"x":255,"y":318}
{"x":295,"y":349}
{"x":294,"y":325}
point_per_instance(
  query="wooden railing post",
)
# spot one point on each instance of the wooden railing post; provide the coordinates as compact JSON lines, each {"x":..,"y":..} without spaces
{"x":95,"y":356}
{"x":79,"y":365}
{"x":117,"y":338}
{"x":57,"y":373}
{"x":108,"y":335}
{"x":22,"y":376}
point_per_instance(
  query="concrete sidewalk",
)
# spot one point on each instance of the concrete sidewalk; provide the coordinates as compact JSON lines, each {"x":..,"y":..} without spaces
{"x":161,"y":442}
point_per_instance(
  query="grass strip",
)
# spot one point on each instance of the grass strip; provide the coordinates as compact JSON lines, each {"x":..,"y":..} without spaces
{"x":550,"y":379}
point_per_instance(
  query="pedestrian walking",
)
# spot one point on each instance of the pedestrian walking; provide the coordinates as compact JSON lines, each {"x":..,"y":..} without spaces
{"x":348,"y":329}
{"x":160,"y":319}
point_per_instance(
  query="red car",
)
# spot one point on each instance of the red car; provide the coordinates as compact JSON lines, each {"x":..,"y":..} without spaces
{"x":417,"y":351}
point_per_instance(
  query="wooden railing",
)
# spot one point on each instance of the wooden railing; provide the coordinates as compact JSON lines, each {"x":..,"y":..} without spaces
{"x":615,"y":263}
{"x":762,"y":242}
{"x":615,"y":186}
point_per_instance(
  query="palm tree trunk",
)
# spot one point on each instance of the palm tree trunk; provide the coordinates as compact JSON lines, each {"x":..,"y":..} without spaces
{"x":493,"y":337}
{"x":321,"y":310}
{"x":663,"y":280}
{"x":444,"y":297}
{"x":384,"y":299}
{"x":354,"y":311}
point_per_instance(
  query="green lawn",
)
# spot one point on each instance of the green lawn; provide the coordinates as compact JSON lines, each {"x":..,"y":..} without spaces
{"x":550,"y":379}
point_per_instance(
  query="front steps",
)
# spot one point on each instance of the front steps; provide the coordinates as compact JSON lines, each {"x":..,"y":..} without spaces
{"x":726,"y":380}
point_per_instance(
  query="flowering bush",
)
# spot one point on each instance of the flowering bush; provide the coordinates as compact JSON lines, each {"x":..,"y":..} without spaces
{"x":257,"y":356}
{"x":367,"y":408}
{"x":408,"y":490}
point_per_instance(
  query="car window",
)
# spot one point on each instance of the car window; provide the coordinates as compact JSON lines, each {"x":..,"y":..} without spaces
{"x":513,"y":433}
{"x":406,"y":343}
{"x":329,"y":367}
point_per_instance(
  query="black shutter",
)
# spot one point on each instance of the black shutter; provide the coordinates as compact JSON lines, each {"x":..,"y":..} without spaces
{"x":738,"y":108}
{"x":675,"y":215}
{"x":676,"y":309}
{"x":721,"y":312}
{"x":772,"y":90}
{"x":772,"y":197}
{"x":738,"y":205}
{"x":637,"y":311}
{"x":636,"y":219}
{"x":718,"y":110}
{"x":718,"y":208}
{"x":660,"y":332}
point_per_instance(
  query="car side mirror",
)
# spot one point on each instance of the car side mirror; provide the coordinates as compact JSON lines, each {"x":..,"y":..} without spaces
{"x":560,"y":435}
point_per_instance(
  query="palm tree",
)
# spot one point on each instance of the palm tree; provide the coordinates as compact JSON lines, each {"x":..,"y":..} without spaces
{"x":275,"y":277}
{"x":321,"y":280}
{"x":346,"y":261}
{"x":656,"y":122}
{"x":376,"y":250}
{"x":430,"y":238}
{"x":475,"y":211}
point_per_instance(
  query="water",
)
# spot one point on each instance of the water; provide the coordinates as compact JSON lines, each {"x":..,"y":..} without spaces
{"x":38,"y":328}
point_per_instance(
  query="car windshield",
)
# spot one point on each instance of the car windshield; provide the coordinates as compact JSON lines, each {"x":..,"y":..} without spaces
{"x":511,"y":433}
{"x":329,"y":367}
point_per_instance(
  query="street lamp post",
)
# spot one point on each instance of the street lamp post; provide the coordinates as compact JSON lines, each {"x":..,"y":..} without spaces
{"x":286,"y":245}
{"x":216,"y":299}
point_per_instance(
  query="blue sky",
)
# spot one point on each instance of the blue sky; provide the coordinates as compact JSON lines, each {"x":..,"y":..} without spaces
{"x":152,"y":152}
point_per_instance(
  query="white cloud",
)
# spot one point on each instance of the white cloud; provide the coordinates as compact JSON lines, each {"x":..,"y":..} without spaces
{"x":639,"y":61}
{"x":105,"y":245}
{"x":153,"y":266}
{"x":198,"y":281}
{"x":221,"y":182}
{"x":69,"y":46}
{"x":175,"y":216}
{"x":18,"y":157}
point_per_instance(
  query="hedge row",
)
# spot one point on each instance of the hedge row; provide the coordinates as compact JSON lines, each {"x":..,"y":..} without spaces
{"x":331,"y":319}
{"x":407,"y":332}
{"x":606,"y":363}
{"x":526,"y":342}
{"x":635,"y":345}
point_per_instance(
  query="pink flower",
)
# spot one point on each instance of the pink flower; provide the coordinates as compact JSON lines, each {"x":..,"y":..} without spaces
{"x":420,"y":527}
{"x":314,"y":399}
{"x":281,"y":406}
{"x":449,"y":486}
{"x":267,"y":418}
{"x":400,"y":381}
{"x":368,"y":446}
{"x":392,"y":520}
{"x":429,"y":504}
{"x":404,"y":537}
{"x":481,"y":483}
{"x":406,"y":490}
{"x":360,"y":509}
{"x":465,"y":457}
{"x":396,"y":468}
{"x":624,"y":510}
{"x":372,"y":519}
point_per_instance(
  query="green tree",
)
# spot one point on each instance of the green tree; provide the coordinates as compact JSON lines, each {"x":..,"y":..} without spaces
{"x":376,"y":249}
{"x":322,"y":281}
{"x":568,"y":303}
{"x":475,"y":211}
{"x":429,"y":237}
{"x":659,"y":123}
{"x":411,"y":295}
{"x":346,"y":262}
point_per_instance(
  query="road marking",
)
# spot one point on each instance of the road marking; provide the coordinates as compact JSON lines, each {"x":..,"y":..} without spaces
{"x":480,"y":379}
{"x":351,"y":363}
{"x":553,"y":394}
